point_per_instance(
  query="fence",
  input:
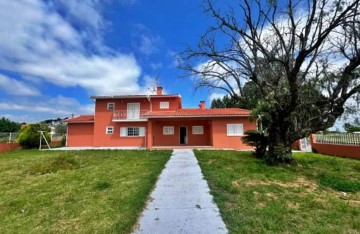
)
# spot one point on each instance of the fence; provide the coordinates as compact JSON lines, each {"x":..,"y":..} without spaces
{"x":11,"y":137}
{"x":339,"y":139}
{"x":342,"y":145}
{"x":8,"y":137}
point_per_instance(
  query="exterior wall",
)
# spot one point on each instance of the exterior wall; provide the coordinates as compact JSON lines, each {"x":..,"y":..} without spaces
{"x":4,"y":147}
{"x":80,"y":134}
{"x":219,"y":132}
{"x":159,"y":139}
{"x":349,"y":151}
{"x":115,"y":140}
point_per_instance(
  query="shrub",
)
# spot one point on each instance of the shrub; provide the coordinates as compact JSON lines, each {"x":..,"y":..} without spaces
{"x":258,"y":140}
{"x":63,"y":141}
{"x":29,"y":136}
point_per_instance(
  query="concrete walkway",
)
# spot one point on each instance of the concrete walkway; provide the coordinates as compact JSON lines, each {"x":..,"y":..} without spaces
{"x":181,"y":202}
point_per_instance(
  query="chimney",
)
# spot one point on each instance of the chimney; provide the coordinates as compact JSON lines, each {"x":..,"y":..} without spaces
{"x":159,"y":90}
{"x":202,"y":105}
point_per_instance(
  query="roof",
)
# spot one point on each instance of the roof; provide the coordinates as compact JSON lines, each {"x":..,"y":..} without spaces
{"x":187,"y":112}
{"x":135,"y":96}
{"x":81,"y":119}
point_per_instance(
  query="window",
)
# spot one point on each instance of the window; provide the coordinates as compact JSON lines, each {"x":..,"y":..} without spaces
{"x":235,"y":130}
{"x":164,"y":105}
{"x":197,"y":130}
{"x":168,"y":130}
{"x":110,"y":130}
{"x":111,"y":106}
{"x":132,"y":131}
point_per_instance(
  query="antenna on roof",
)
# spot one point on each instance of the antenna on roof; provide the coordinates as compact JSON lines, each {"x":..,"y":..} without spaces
{"x":154,"y":85}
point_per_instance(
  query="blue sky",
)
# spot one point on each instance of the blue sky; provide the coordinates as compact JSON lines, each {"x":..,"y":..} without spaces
{"x":55,"y":54}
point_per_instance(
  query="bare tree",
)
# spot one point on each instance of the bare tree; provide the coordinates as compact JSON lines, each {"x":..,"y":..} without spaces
{"x":303,"y":56}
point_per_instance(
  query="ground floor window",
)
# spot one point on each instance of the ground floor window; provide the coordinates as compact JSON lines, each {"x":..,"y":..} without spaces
{"x":109,"y":130}
{"x":132,"y":131}
{"x":168,"y":130}
{"x":197,"y":130}
{"x":235,"y":129}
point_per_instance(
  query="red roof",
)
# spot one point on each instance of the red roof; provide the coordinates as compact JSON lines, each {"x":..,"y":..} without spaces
{"x":81,"y":119}
{"x":135,"y":96}
{"x":223,"y":112}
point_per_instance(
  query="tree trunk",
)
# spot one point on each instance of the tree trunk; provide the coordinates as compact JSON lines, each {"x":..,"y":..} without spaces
{"x":279,"y":143}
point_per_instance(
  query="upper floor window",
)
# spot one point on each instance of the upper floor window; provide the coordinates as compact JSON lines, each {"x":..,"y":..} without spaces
{"x":111,"y":106}
{"x":197,"y":130}
{"x":164,"y":105}
{"x":168,"y":130}
{"x":235,"y":129}
{"x":109,"y":130}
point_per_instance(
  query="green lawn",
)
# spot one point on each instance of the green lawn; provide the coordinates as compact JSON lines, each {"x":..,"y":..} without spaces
{"x":75,"y":191}
{"x":307,"y":198}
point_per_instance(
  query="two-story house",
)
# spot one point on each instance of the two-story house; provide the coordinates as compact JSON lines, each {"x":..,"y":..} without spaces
{"x":156,"y":121}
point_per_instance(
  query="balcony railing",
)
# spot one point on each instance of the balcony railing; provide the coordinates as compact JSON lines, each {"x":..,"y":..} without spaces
{"x":127,"y":115}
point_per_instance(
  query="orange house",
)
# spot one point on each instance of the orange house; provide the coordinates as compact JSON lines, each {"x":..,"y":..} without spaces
{"x":157,"y":121}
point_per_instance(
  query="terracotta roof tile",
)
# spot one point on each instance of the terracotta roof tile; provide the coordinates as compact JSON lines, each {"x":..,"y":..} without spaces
{"x":196,"y":112}
{"x":135,"y":96}
{"x":81,"y":119}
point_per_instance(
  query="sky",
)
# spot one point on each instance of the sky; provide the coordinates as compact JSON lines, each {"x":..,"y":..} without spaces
{"x":55,"y":54}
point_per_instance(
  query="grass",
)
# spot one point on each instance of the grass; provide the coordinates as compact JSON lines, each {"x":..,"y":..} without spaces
{"x":319,"y":195}
{"x":75,"y":191}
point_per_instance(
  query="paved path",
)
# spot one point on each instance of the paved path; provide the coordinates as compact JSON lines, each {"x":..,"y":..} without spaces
{"x":181,"y":202}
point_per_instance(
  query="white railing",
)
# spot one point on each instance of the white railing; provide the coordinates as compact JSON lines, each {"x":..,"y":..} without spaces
{"x":338,"y":138}
{"x":129,"y":115}
{"x":8,"y":137}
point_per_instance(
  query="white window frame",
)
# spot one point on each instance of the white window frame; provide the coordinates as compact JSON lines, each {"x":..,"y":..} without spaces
{"x":124,"y":132}
{"x":164,"y":105}
{"x":107,"y":130}
{"x":198,"y":130}
{"x":168,"y":130}
{"x":109,"y":104}
{"x":235,"y":129}
{"x":133,"y":110}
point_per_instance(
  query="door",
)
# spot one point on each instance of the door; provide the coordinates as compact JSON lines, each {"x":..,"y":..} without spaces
{"x":133,"y":111}
{"x":183,"y":135}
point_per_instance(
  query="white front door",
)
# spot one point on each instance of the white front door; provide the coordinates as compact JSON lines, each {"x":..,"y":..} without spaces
{"x":133,"y":111}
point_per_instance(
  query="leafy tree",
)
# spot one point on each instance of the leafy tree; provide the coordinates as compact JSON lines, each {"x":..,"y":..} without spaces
{"x":61,"y":129}
{"x":7,"y":125}
{"x":302,"y":56}
{"x":351,"y":128}
{"x":29,"y":136}
{"x":247,"y":100}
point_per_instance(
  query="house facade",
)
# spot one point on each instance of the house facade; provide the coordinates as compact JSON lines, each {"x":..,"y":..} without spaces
{"x":151,"y":121}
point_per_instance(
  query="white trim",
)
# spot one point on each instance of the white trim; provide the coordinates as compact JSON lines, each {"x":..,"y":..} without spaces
{"x":170,"y":130}
{"x":108,"y":104}
{"x":124,"y":131}
{"x":164,"y":105}
{"x":107,"y":128}
{"x":235,"y":129}
{"x":187,"y":135}
{"x":198,"y":130}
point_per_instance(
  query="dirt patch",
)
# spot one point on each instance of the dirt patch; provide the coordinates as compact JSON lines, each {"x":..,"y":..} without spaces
{"x":300,"y":183}
{"x":353,"y":202}
{"x":293,"y":205}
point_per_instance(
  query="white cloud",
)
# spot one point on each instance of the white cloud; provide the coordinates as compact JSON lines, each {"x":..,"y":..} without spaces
{"x":144,"y":41}
{"x":156,"y":66}
{"x":56,"y":106}
{"x":15,"y":87}
{"x":216,"y":96}
{"x":38,"y":41}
